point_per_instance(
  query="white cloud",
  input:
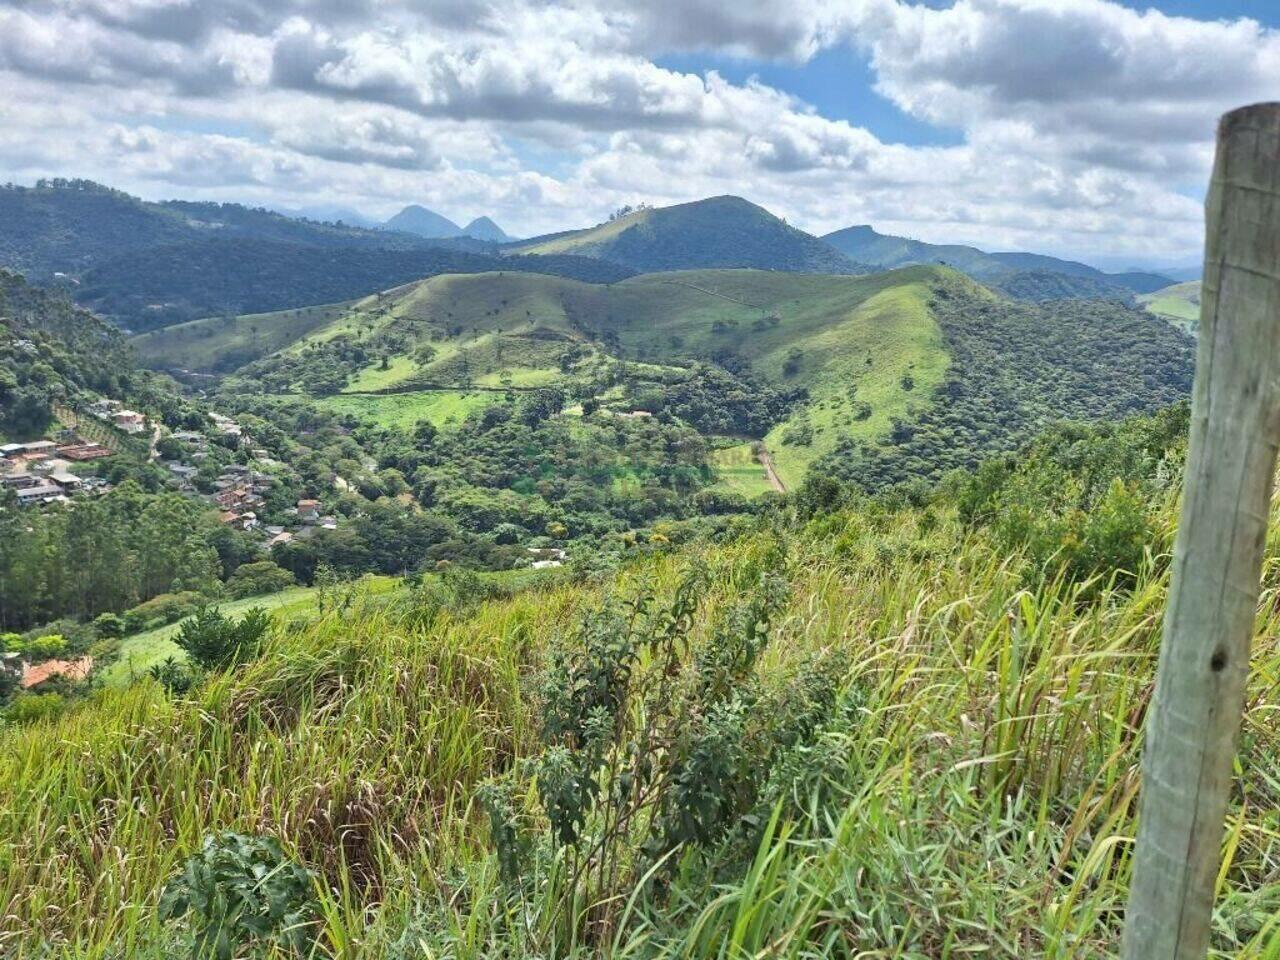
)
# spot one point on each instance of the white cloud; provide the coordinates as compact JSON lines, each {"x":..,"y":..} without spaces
{"x":1086,"y":125}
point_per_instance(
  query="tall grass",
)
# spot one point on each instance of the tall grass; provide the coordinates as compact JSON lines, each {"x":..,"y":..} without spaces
{"x":981,"y":804}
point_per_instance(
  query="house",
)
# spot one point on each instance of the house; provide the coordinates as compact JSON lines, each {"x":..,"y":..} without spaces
{"x":76,"y":670}
{"x":65,"y":479}
{"x":182,"y":470}
{"x":188,"y":436}
{"x":283,"y":536}
{"x":19,"y":480}
{"x":130,"y":421}
{"x":83,"y":451}
{"x":328,"y":523}
{"x":9,"y":450}
{"x":40,"y":493}
{"x":309,"y":511}
{"x":45,"y":447}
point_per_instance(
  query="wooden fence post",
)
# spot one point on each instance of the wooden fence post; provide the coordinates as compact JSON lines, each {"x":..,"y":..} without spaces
{"x":1204,"y":657}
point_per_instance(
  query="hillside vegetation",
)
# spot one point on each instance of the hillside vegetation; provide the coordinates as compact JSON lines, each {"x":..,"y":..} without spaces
{"x":717,"y":232}
{"x":854,"y":373}
{"x":147,"y":265}
{"x":1178,"y":303}
{"x":888,"y":731}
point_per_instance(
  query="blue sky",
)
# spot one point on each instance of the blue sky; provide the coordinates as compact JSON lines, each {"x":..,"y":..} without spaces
{"x":1076,"y":127}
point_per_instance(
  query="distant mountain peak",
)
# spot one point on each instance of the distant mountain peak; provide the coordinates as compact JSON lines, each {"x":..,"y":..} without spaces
{"x":483,"y":228}
{"x":425,"y":223}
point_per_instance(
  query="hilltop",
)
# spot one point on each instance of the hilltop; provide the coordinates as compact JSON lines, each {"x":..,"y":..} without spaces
{"x":717,"y":232}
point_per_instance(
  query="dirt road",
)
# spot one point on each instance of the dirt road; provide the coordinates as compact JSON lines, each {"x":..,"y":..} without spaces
{"x":766,"y":461}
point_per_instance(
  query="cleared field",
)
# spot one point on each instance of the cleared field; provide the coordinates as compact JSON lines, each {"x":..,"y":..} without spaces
{"x":1178,"y":304}
{"x":403,"y":410}
{"x":739,"y":471}
{"x":221,"y":344}
{"x":373,"y":377}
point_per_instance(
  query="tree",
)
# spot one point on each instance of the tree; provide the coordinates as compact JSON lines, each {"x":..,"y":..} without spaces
{"x":215,"y":642}
{"x":259,"y":577}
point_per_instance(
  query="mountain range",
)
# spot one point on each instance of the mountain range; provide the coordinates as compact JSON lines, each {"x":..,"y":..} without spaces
{"x":864,"y":244}
{"x":149,"y":264}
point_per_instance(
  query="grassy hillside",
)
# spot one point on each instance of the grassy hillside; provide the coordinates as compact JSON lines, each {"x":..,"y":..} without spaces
{"x":919,"y":744}
{"x":815,"y":365}
{"x":1178,"y":303}
{"x":717,"y":232}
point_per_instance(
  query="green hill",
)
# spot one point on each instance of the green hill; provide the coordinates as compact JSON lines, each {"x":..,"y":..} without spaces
{"x":717,"y":232}
{"x":853,"y":372}
{"x":147,"y":265}
{"x":1179,"y":304}
{"x":52,"y":352}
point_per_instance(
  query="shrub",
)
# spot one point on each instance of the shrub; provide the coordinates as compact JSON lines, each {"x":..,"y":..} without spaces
{"x":215,"y":642}
{"x":34,"y":707}
{"x":259,"y":577}
{"x":109,"y":625}
{"x":165,"y":607}
{"x":241,"y":891}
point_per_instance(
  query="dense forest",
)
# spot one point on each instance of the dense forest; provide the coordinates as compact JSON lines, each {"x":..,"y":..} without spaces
{"x":1015,"y":369}
{"x":164,"y":285}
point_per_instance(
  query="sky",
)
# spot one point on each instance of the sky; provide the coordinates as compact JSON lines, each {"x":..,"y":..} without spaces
{"x":1081,"y":128}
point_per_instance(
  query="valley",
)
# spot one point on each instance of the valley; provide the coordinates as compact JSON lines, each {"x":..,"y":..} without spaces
{"x":683,"y":428}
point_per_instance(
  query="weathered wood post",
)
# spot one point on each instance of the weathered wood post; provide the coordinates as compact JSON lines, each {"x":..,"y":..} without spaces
{"x":1217,"y":562}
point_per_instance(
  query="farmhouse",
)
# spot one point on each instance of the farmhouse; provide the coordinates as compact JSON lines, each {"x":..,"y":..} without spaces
{"x":35,"y":674}
{"x":130,"y":421}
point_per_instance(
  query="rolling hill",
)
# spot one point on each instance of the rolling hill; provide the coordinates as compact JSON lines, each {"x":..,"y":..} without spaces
{"x":1178,"y":303}
{"x":821,"y":368}
{"x":1030,"y":276}
{"x":720,"y":232}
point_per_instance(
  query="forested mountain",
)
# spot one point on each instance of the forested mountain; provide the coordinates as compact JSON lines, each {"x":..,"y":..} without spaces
{"x":1029,"y":276}
{"x":51,"y":351}
{"x":717,"y":232}
{"x":144,"y":265}
{"x":223,"y":277}
{"x":483,"y":228}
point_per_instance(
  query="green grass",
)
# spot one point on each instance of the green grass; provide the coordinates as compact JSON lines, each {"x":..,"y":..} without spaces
{"x":979,"y":801}
{"x":1179,"y":304}
{"x":739,"y":471}
{"x":223,"y":343}
{"x":373,"y":377}
{"x":520,"y":377}
{"x":403,"y":410}
{"x":895,"y":332}
{"x":140,"y":651}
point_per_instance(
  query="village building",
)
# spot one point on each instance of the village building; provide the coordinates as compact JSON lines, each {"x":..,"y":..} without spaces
{"x":130,"y":421}
{"x":76,"y":670}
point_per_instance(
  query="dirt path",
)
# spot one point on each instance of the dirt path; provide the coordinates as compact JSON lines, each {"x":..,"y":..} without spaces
{"x":766,"y":461}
